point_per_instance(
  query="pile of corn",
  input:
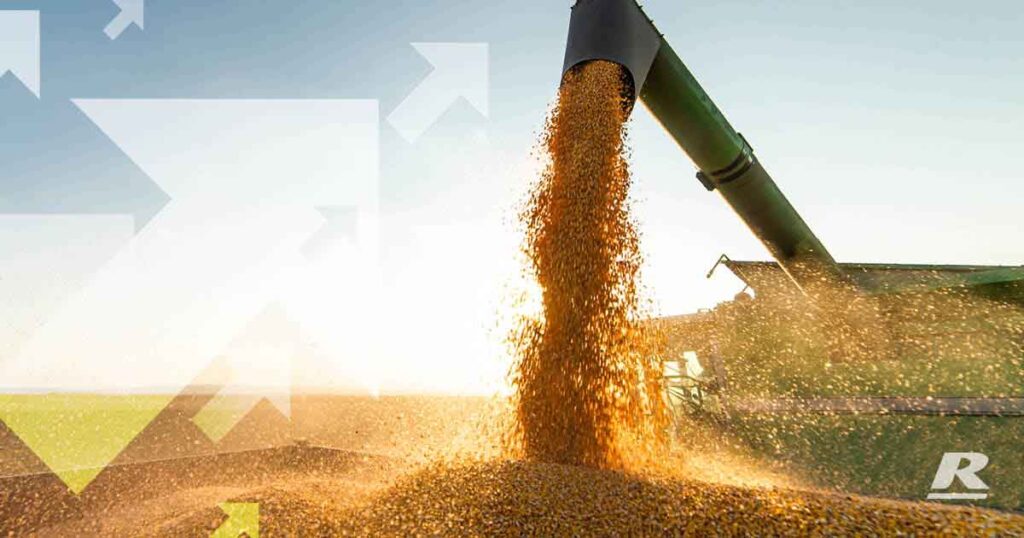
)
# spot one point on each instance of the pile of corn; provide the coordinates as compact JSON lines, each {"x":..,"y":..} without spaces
{"x":344,"y":495}
{"x":586,"y":390}
{"x":537,"y":499}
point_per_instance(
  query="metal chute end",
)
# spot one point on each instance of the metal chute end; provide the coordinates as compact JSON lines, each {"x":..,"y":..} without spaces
{"x":616,"y":31}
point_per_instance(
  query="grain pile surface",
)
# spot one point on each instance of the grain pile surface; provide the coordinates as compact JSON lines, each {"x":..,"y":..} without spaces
{"x":311,"y":491}
{"x":587,"y":391}
{"x":538,"y":499}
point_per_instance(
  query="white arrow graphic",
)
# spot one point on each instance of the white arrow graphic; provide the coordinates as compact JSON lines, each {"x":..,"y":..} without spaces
{"x":132,"y":12}
{"x":245,"y":178}
{"x":19,"y":47}
{"x":257,"y":365}
{"x":460,"y":70}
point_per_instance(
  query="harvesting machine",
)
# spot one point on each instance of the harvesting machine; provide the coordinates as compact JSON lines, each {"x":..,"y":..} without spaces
{"x":916,"y":336}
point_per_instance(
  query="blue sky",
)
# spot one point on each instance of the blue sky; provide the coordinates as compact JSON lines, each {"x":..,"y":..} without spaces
{"x":892,"y":127}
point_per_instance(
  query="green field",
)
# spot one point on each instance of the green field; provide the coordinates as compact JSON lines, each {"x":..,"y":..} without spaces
{"x":76,"y":435}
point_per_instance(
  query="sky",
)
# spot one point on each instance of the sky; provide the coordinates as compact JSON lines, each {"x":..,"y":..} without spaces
{"x":892,"y":128}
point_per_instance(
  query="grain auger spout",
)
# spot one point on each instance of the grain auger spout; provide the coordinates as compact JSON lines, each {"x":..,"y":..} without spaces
{"x":620,"y":32}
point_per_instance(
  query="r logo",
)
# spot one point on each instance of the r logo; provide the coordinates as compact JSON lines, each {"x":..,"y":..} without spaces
{"x":951,"y":467}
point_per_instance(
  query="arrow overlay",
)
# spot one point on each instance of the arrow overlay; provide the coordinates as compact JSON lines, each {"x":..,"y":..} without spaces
{"x":44,"y":258}
{"x":340,"y":226}
{"x":244,"y":178}
{"x":243,"y":519}
{"x":57,"y":162}
{"x":258,"y":365}
{"x":460,"y":70}
{"x":19,"y":47}
{"x":132,"y":12}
